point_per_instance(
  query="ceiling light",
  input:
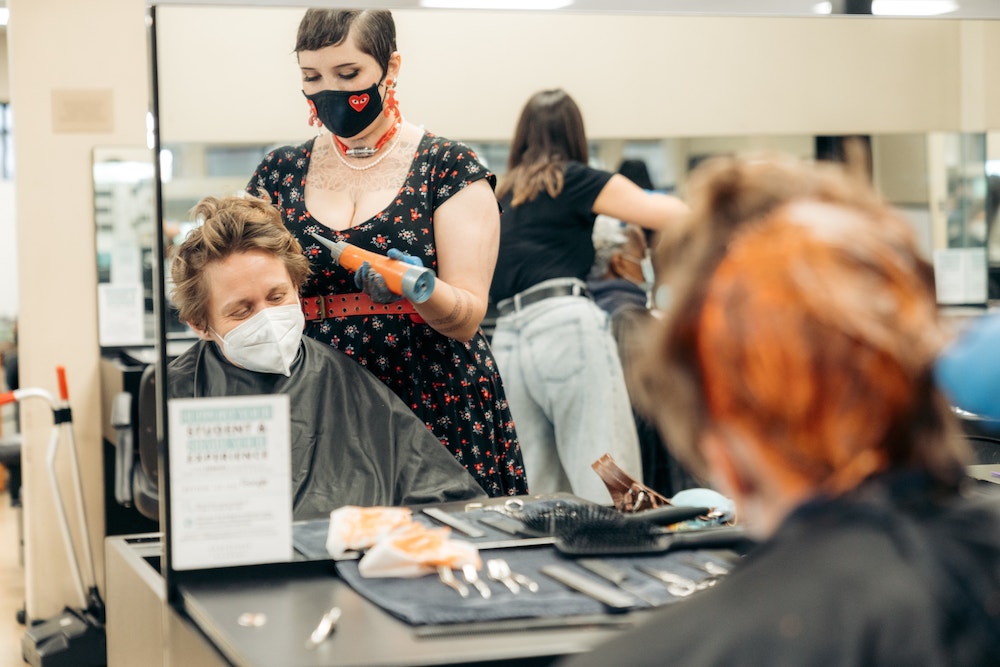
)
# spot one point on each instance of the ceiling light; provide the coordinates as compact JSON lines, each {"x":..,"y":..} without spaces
{"x":913,"y":7}
{"x":4,"y":15}
{"x":496,"y":4}
{"x":823,"y":8}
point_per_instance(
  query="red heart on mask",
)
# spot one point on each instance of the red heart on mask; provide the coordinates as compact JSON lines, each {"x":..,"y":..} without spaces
{"x":358,"y":102}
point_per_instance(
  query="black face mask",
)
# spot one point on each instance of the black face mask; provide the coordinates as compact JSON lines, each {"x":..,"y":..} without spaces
{"x":346,"y":113}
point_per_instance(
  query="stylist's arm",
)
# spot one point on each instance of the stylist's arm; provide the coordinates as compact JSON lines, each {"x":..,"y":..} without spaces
{"x":467,"y":232}
{"x":623,"y":199}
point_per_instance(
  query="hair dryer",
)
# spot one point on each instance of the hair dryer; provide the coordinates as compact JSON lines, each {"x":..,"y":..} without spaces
{"x":416,"y":283}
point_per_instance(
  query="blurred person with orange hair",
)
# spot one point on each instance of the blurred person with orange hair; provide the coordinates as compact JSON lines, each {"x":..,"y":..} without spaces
{"x":794,"y":371}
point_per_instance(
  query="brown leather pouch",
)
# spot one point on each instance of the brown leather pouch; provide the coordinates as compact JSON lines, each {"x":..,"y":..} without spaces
{"x":627,"y":494}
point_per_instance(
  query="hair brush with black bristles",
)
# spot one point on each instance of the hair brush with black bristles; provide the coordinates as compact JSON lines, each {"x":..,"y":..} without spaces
{"x":631,"y":539}
{"x":561,"y":517}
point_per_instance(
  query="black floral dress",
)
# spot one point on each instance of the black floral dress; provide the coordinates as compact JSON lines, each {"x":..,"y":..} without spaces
{"x":453,"y":387}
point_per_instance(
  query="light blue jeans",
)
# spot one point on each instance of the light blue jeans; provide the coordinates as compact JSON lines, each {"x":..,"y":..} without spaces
{"x":566,"y":389}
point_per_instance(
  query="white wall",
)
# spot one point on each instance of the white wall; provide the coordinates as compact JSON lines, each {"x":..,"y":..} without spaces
{"x":54,"y":46}
{"x":634,"y":76}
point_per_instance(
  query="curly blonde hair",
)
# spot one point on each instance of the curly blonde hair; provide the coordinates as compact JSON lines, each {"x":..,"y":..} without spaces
{"x":229,"y":225}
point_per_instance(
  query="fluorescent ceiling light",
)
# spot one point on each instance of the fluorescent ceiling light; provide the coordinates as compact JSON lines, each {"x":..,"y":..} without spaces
{"x":4,"y":15}
{"x":166,"y":165}
{"x":496,"y":4}
{"x":122,"y":172}
{"x":823,"y":8}
{"x":913,"y":7}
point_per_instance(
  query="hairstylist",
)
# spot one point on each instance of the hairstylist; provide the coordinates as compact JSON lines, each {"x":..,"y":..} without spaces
{"x":552,"y":342}
{"x":378,"y":182}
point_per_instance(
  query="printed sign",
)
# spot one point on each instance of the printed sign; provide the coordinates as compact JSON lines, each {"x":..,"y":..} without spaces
{"x":230,"y":481}
{"x":960,"y":275}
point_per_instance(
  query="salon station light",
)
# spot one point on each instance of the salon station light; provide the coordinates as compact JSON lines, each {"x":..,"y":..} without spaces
{"x":913,"y":7}
{"x":899,"y":8}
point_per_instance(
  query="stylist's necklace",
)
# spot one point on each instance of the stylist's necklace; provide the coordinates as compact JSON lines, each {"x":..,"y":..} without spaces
{"x":340,"y":149}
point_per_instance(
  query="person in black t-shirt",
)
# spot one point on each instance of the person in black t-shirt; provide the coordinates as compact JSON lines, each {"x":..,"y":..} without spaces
{"x":556,"y":356}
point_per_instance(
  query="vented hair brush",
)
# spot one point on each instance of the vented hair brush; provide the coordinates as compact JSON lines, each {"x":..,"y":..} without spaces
{"x":562,"y":517}
{"x":632,"y":538}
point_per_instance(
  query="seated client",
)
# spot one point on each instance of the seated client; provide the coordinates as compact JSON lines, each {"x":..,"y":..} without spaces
{"x":354,"y":442}
{"x":794,"y":371}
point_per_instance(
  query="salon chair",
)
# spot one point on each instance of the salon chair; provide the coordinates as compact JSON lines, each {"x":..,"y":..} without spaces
{"x":136,"y":465}
{"x":985,"y":448}
{"x":10,"y":458}
{"x":10,"y":444}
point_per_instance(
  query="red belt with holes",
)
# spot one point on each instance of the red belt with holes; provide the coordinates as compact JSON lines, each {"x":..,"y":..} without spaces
{"x":358,"y":303}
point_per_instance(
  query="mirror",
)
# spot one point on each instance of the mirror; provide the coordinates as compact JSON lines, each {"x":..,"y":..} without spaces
{"x":124,"y":212}
{"x":125,"y":215}
{"x":671,"y":88}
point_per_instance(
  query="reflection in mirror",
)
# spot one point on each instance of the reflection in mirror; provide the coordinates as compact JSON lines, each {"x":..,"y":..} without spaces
{"x":960,"y":253}
{"x":124,"y":214}
{"x":993,"y":212}
{"x":735,"y":97}
{"x":126,"y":219}
{"x":903,"y":166}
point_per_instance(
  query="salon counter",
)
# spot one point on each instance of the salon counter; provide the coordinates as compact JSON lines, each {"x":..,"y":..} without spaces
{"x":261,"y":617}
{"x":290,"y":607}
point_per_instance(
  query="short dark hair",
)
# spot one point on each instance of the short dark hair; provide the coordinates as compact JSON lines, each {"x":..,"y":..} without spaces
{"x":374,"y":31}
{"x":637,"y":172}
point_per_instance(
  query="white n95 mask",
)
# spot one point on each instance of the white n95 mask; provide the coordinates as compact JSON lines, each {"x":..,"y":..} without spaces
{"x":268,"y":342}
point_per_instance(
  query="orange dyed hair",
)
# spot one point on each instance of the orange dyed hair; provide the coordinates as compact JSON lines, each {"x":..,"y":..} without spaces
{"x":802,"y":316}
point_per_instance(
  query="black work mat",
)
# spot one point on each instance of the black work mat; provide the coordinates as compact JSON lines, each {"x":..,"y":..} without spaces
{"x":309,"y":538}
{"x":426,"y":601}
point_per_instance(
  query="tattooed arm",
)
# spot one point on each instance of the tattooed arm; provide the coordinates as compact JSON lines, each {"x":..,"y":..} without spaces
{"x":467,"y":233}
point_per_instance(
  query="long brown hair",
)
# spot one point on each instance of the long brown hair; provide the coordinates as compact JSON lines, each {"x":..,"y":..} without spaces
{"x":549,"y":133}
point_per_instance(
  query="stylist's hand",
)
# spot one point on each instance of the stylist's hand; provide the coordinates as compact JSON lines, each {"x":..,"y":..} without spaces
{"x":371,"y":282}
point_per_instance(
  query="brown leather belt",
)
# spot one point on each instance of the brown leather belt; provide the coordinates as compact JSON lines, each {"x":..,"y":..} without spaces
{"x":329,"y":306}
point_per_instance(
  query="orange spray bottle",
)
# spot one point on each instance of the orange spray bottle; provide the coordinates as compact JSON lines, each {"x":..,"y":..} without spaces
{"x":416,"y":283}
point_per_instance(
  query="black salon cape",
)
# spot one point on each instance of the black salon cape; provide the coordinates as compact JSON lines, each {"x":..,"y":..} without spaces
{"x":884,"y":577}
{"x":354,"y":442}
